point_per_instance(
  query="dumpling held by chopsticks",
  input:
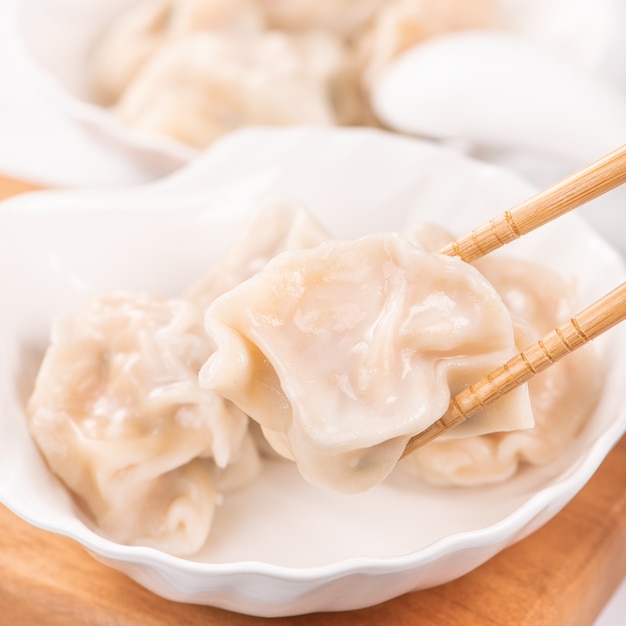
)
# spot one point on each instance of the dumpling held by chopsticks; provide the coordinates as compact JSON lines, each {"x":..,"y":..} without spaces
{"x":343,"y":352}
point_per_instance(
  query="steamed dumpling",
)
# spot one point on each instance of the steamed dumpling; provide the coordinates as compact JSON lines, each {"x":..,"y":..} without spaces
{"x":562,"y":397}
{"x":118,"y":415}
{"x":344,"y":351}
{"x":198,"y":88}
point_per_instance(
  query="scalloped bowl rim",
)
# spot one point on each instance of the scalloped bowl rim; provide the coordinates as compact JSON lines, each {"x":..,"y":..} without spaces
{"x":538,"y":507}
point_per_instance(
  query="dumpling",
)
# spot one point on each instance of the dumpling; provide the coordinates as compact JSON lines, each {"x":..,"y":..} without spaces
{"x":118,"y":413}
{"x":343,"y":17}
{"x":137,"y":34}
{"x":344,"y":351}
{"x":119,"y":416}
{"x":278,"y":226}
{"x":562,"y":397}
{"x":198,"y":88}
{"x":194,"y":70}
{"x":400,"y":24}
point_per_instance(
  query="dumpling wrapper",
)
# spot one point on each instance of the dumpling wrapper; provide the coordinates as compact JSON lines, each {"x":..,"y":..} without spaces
{"x":200,"y":87}
{"x":138,"y":33}
{"x":562,"y":397}
{"x":342,"y":17}
{"x":118,"y":415}
{"x":343,"y":352}
{"x":278,"y":226}
{"x":401,"y":24}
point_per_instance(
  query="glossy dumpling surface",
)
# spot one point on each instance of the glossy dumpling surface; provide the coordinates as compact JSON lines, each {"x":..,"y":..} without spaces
{"x":118,"y":415}
{"x":562,"y":397}
{"x":344,"y":351}
{"x":278,"y":226}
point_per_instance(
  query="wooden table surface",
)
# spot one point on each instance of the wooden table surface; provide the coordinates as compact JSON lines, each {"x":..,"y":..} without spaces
{"x":561,"y":575}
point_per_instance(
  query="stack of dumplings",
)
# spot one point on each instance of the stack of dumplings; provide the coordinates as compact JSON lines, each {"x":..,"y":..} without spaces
{"x":194,"y":70}
{"x":331,"y":354}
{"x":120,"y":418}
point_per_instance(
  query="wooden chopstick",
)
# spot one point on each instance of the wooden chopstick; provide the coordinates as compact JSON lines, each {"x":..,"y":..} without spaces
{"x":573,"y":191}
{"x":589,"y":323}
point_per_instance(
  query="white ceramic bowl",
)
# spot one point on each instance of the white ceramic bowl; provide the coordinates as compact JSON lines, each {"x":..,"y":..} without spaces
{"x":536,"y":75}
{"x":549,"y":72}
{"x":281,"y":546}
{"x":52,"y":41}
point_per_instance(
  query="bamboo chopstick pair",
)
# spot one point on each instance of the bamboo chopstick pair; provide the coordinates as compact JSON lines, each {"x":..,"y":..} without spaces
{"x":584,"y":185}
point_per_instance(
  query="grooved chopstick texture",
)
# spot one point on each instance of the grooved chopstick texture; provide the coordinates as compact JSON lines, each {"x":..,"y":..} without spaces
{"x":589,"y":323}
{"x":573,"y":191}
{"x":588,"y":183}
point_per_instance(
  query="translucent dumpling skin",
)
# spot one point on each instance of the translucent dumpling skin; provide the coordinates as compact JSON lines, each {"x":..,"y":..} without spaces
{"x":400,"y":24}
{"x":139,"y":33}
{"x":118,"y":415}
{"x":277,"y":227}
{"x":562,"y":397}
{"x":344,"y":351}
{"x":118,"y":412}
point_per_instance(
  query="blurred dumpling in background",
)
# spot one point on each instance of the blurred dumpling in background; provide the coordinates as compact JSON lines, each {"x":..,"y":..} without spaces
{"x":198,"y":88}
{"x":140,"y":31}
{"x":118,"y":413}
{"x":401,"y":24}
{"x":505,"y":80}
{"x":342,"y":17}
{"x":196,"y":69}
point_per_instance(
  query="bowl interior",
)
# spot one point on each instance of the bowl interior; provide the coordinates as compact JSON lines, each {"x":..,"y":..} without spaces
{"x":57,"y":248}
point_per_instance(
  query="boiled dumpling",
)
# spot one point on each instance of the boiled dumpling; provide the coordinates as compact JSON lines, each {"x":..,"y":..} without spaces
{"x":562,"y":397}
{"x":196,"y":69}
{"x":401,"y":24}
{"x":118,"y":415}
{"x":278,"y":226}
{"x":344,"y":351}
{"x":198,"y":88}
{"x":343,"y":17}
{"x":117,"y":411}
{"x":138,"y":33}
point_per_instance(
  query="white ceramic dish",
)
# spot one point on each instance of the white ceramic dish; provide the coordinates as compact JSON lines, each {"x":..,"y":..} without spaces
{"x":517,"y":95}
{"x":53,"y":40}
{"x":281,"y":546}
{"x":56,"y":39}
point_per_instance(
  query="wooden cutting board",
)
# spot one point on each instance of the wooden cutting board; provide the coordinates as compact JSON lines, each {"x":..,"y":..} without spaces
{"x":561,"y":575}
